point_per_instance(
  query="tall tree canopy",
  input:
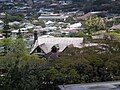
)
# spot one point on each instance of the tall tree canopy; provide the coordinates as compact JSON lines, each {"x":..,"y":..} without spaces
{"x":94,"y":24}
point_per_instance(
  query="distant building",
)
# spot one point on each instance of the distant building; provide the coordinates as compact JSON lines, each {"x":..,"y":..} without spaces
{"x":53,"y":17}
{"x":76,"y":26}
{"x":90,"y":14}
{"x":15,"y":33}
{"x":6,"y":0}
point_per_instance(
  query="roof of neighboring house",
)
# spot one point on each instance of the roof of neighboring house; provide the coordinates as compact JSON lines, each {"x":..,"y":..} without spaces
{"x":49,"y":22}
{"x":115,"y":26}
{"x":46,"y":43}
{"x":69,"y":30}
{"x":1,"y":22}
{"x":53,"y":17}
{"x":16,"y":31}
{"x":49,"y":28}
{"x":92,"y":86}
{"x":76,"y":25}
{"x":88,"y":15}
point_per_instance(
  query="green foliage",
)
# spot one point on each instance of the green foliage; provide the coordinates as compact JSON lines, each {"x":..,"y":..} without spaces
{"x":22,"y":71}
{"x":40,"y":22}
{"x":6,"y":43}
{"x":114,"y":36}
{"x":30,"y":31}
{"x":18,"y":47}
{"x":17,"y":17}
{"x":80,"y":34}
{"x":6,"y":27}
{"x":94,"y":24}
{"x":18,"y":4}
{"x":70,"y":20}
{"x":6,"y":21}
{"x":15,"y":26}
{"x":109,"y":24}
{"x":22,"y":76}
{"x":117,"y":21}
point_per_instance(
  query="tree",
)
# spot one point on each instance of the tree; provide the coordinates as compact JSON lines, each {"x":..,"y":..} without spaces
{"x":41,"y":23}
{"x":117,"y":21}
{"x":70,"y":20}
{"x":6,"y":43}
{"x":6,"y":26}
{"x":94,"y":24}
{"x":21,"y":68}
{"x":6,"y":31}
{"x":19,"y":47}
{"x":22,"y":75}
{"x":16,"y":17}
{"x":80,"y":34}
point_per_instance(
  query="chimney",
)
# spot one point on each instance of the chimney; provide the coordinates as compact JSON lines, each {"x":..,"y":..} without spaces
{"x":35,"y":36}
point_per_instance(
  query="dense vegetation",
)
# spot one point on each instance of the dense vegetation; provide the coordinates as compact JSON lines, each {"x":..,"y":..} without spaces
{"x":19,"y":70}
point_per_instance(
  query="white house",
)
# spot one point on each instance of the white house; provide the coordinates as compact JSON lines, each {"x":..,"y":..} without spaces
{"x":53,"y":17}
{"x":1,"y":22}
{"x":76,"y":26}
{"x":49,"y":23}
{"x":14,"y":23}
{"x":15,"y":32}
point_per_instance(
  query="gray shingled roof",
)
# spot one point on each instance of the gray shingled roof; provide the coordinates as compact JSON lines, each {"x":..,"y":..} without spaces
{"x":46,"y":43}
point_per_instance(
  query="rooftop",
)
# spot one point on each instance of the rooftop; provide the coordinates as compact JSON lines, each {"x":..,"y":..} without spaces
{"x":92,"y":86}
{"x":46,"y":43}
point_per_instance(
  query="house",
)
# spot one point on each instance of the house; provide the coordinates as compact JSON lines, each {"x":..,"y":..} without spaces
{"x":90,"y":14}
{"x":68,"y":31}
{"x":53,"y":17}
{"x":50,"y":28}
{"x":15,"y":32}
{"x":14,"y":23}
{"x":45,"y":45}
{"x":76,"y":26}
{"x":1,"y":24}
{"x":6,"y":0}
{"x":115,"y":27}
{"x":49,"y":23}
{"x":2,"y":15}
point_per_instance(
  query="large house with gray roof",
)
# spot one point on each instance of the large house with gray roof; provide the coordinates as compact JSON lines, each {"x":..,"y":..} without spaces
{"x":45,"y":44}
